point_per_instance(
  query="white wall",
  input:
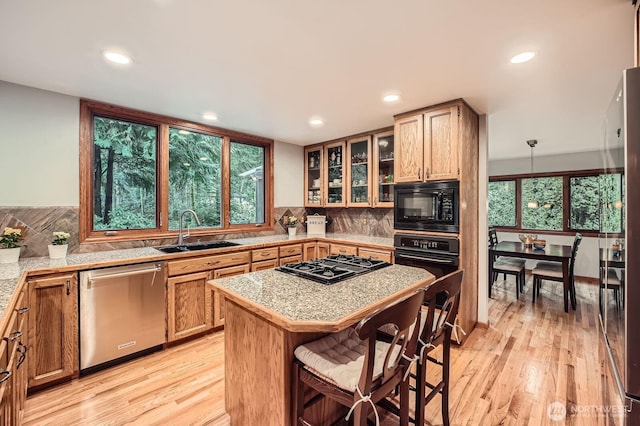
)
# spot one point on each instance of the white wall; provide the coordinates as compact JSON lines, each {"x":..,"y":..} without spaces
{"x":39,"y":133}
{"x":288,"y":175}
{"x":39,"y":147}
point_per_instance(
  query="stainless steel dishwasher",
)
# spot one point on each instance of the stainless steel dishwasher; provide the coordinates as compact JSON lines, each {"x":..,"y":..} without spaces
{"x":122,"y":312}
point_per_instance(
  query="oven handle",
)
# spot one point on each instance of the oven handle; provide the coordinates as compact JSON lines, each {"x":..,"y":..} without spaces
{"x":426,"y":259}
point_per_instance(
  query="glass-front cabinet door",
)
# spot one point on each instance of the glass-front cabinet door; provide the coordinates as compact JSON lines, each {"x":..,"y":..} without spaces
{"x":359,"y":172}
{"x":335,"y":193}
{"x":313,"y":176}
{"x":383,"y":169}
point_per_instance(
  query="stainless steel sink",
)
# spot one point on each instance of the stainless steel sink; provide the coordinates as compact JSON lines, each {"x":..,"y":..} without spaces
{"x":181,"y":248}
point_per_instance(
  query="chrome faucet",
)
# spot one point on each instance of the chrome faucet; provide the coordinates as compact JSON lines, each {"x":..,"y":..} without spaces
{"x":180,"y":236}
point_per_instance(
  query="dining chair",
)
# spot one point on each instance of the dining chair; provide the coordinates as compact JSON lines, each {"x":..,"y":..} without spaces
{"x":355,"y":369}
{"x":552,"y":271}
{"x":610,"y":280}
{"x":505,"y":266}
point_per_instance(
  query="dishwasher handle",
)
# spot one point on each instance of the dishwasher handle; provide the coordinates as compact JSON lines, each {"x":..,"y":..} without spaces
{"x":153,"y":269}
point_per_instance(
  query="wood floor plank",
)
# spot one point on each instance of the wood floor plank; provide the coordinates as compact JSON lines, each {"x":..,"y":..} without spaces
{"x":530,"y":356}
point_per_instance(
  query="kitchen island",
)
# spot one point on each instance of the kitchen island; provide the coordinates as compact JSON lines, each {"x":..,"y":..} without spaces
{"x":269,"y":313}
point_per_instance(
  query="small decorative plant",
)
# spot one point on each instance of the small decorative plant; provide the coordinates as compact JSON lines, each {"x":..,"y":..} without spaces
{"x":60,"y":238}
{"x":292,"y":221}
{"x":10,"y":238}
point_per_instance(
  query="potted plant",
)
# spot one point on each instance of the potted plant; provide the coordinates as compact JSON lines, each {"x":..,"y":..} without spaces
{"x":292,"y":223}
{"x":58,"y":247}
{"x":9,"y":247}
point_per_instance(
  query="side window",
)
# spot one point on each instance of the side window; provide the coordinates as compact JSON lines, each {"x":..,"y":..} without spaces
{"x":502,"y":203}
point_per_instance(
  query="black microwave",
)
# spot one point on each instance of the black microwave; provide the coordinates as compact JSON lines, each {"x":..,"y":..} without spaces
{"x":427,"y":206}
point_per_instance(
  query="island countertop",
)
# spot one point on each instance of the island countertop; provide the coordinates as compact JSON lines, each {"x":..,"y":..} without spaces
{"x":301,"y":305}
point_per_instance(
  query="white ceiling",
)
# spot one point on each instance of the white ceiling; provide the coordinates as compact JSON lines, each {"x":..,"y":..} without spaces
{"x":265,"y":67}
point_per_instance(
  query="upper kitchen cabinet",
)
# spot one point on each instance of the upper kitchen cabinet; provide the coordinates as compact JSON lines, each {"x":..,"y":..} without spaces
{"x":359,"y":172}
{"x":313,"y":176}
{"x":409,"y":149}
{"x":383,"y":171}
{"x":335,"y":176}
{"x":428,"y":143}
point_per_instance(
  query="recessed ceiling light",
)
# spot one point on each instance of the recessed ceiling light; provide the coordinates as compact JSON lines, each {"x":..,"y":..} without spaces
{"x":316,"y":122}
{"x":391,"y":98}
{"x":522,"y":57}
{"x":209,"y":116}
{"x":116,"y":57}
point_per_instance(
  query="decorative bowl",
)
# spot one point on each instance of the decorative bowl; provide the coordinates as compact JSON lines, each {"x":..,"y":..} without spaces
{"x":539,"y":244}
{"x":527,"y":239}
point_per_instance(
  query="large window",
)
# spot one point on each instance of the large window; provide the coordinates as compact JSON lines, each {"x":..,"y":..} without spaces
{"x":585,"y":201}
{"x":139,"y":171}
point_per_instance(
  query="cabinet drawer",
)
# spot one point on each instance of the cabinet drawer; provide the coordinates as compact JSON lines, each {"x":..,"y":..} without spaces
{"x":265,"y":264}
{"x":376,"y":254}
{"x":342,"y":249}
{"x":264,"y":254}
{"x":291,"y":250}
{"x":206,"y":263}
{"x":290,"y":259}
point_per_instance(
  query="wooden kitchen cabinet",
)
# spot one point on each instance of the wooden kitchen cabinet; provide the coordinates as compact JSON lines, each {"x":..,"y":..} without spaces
{"x":322,"y":250}
{"x":53,"y":328}
{"x":188,"y":305}
{"x":409,"y":149}
{"x":427,"y":144}
{"x":358,"y":177}
{"x":290,"y":259}
{"x":309,"y":251}
{"x":218,"y":299}
{"x":342,"y":249}
{"x":383,"y":169}
{"x":265,"y":264}
{"x":192,"y":307}
{"x":385,"y":255}
{"x":314,"y":176}
{"x":13,"y":366}
{"x":335,"y":193}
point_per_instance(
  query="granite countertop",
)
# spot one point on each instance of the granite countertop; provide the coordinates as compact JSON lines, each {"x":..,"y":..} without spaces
{"x":11,"y":273}
{"x":300,"y":300}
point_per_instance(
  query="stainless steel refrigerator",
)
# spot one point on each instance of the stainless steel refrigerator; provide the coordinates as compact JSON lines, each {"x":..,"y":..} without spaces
{"x":620,"y":248}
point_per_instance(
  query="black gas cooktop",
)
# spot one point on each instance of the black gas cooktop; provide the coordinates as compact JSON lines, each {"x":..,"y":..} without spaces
{"x":334,"y":268}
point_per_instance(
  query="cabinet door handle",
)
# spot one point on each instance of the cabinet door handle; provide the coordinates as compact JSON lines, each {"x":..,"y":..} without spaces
{"x":427,"y":172}
{"x":23,"y":310}
{"x":7,"y":374}
{"x":264,"y":254}
{"x":16,"y":334}
{"x":215,"y":262}
{"x":68,"y":287}
{"x":22,"y":350}
{"x":419,"y":173}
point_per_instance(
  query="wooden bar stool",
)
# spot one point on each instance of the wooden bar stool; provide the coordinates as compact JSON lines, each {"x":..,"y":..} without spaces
{"x":355,"y":369}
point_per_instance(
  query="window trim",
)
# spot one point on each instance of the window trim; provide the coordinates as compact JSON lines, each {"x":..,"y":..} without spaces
{"x":566,"y":176}
{"x":90,"y":108}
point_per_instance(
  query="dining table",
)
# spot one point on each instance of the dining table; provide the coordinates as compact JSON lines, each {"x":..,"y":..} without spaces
{"x":550,"y":253}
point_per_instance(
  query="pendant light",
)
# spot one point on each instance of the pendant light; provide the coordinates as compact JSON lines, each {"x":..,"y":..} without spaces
{"x":532,"y":143}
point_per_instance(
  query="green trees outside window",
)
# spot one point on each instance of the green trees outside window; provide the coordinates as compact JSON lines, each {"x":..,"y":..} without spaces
{"x":502,"y":203}
{"x":247,"y":183}
{"x":594,"y":202}
{"x":195,"y":178}
{"x":124,"y":175}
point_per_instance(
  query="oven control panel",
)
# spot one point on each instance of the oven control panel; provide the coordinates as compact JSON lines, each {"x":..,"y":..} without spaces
{"x":444,"y":245}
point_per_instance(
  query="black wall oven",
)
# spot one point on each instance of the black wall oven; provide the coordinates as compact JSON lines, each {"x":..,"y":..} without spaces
{"x":438,"y":255}
{"x":428,"y":206}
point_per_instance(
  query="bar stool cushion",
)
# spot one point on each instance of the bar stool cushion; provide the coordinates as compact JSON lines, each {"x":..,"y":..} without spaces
{"x":512,"y":260}
{"x":612,"y":278}
{"x":339,"y":358}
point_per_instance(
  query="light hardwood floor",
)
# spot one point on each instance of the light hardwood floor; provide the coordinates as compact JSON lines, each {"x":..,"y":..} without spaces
{"x":530,"y":356}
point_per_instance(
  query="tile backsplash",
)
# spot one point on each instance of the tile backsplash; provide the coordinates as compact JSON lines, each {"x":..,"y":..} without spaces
{"x":41,"y":222}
